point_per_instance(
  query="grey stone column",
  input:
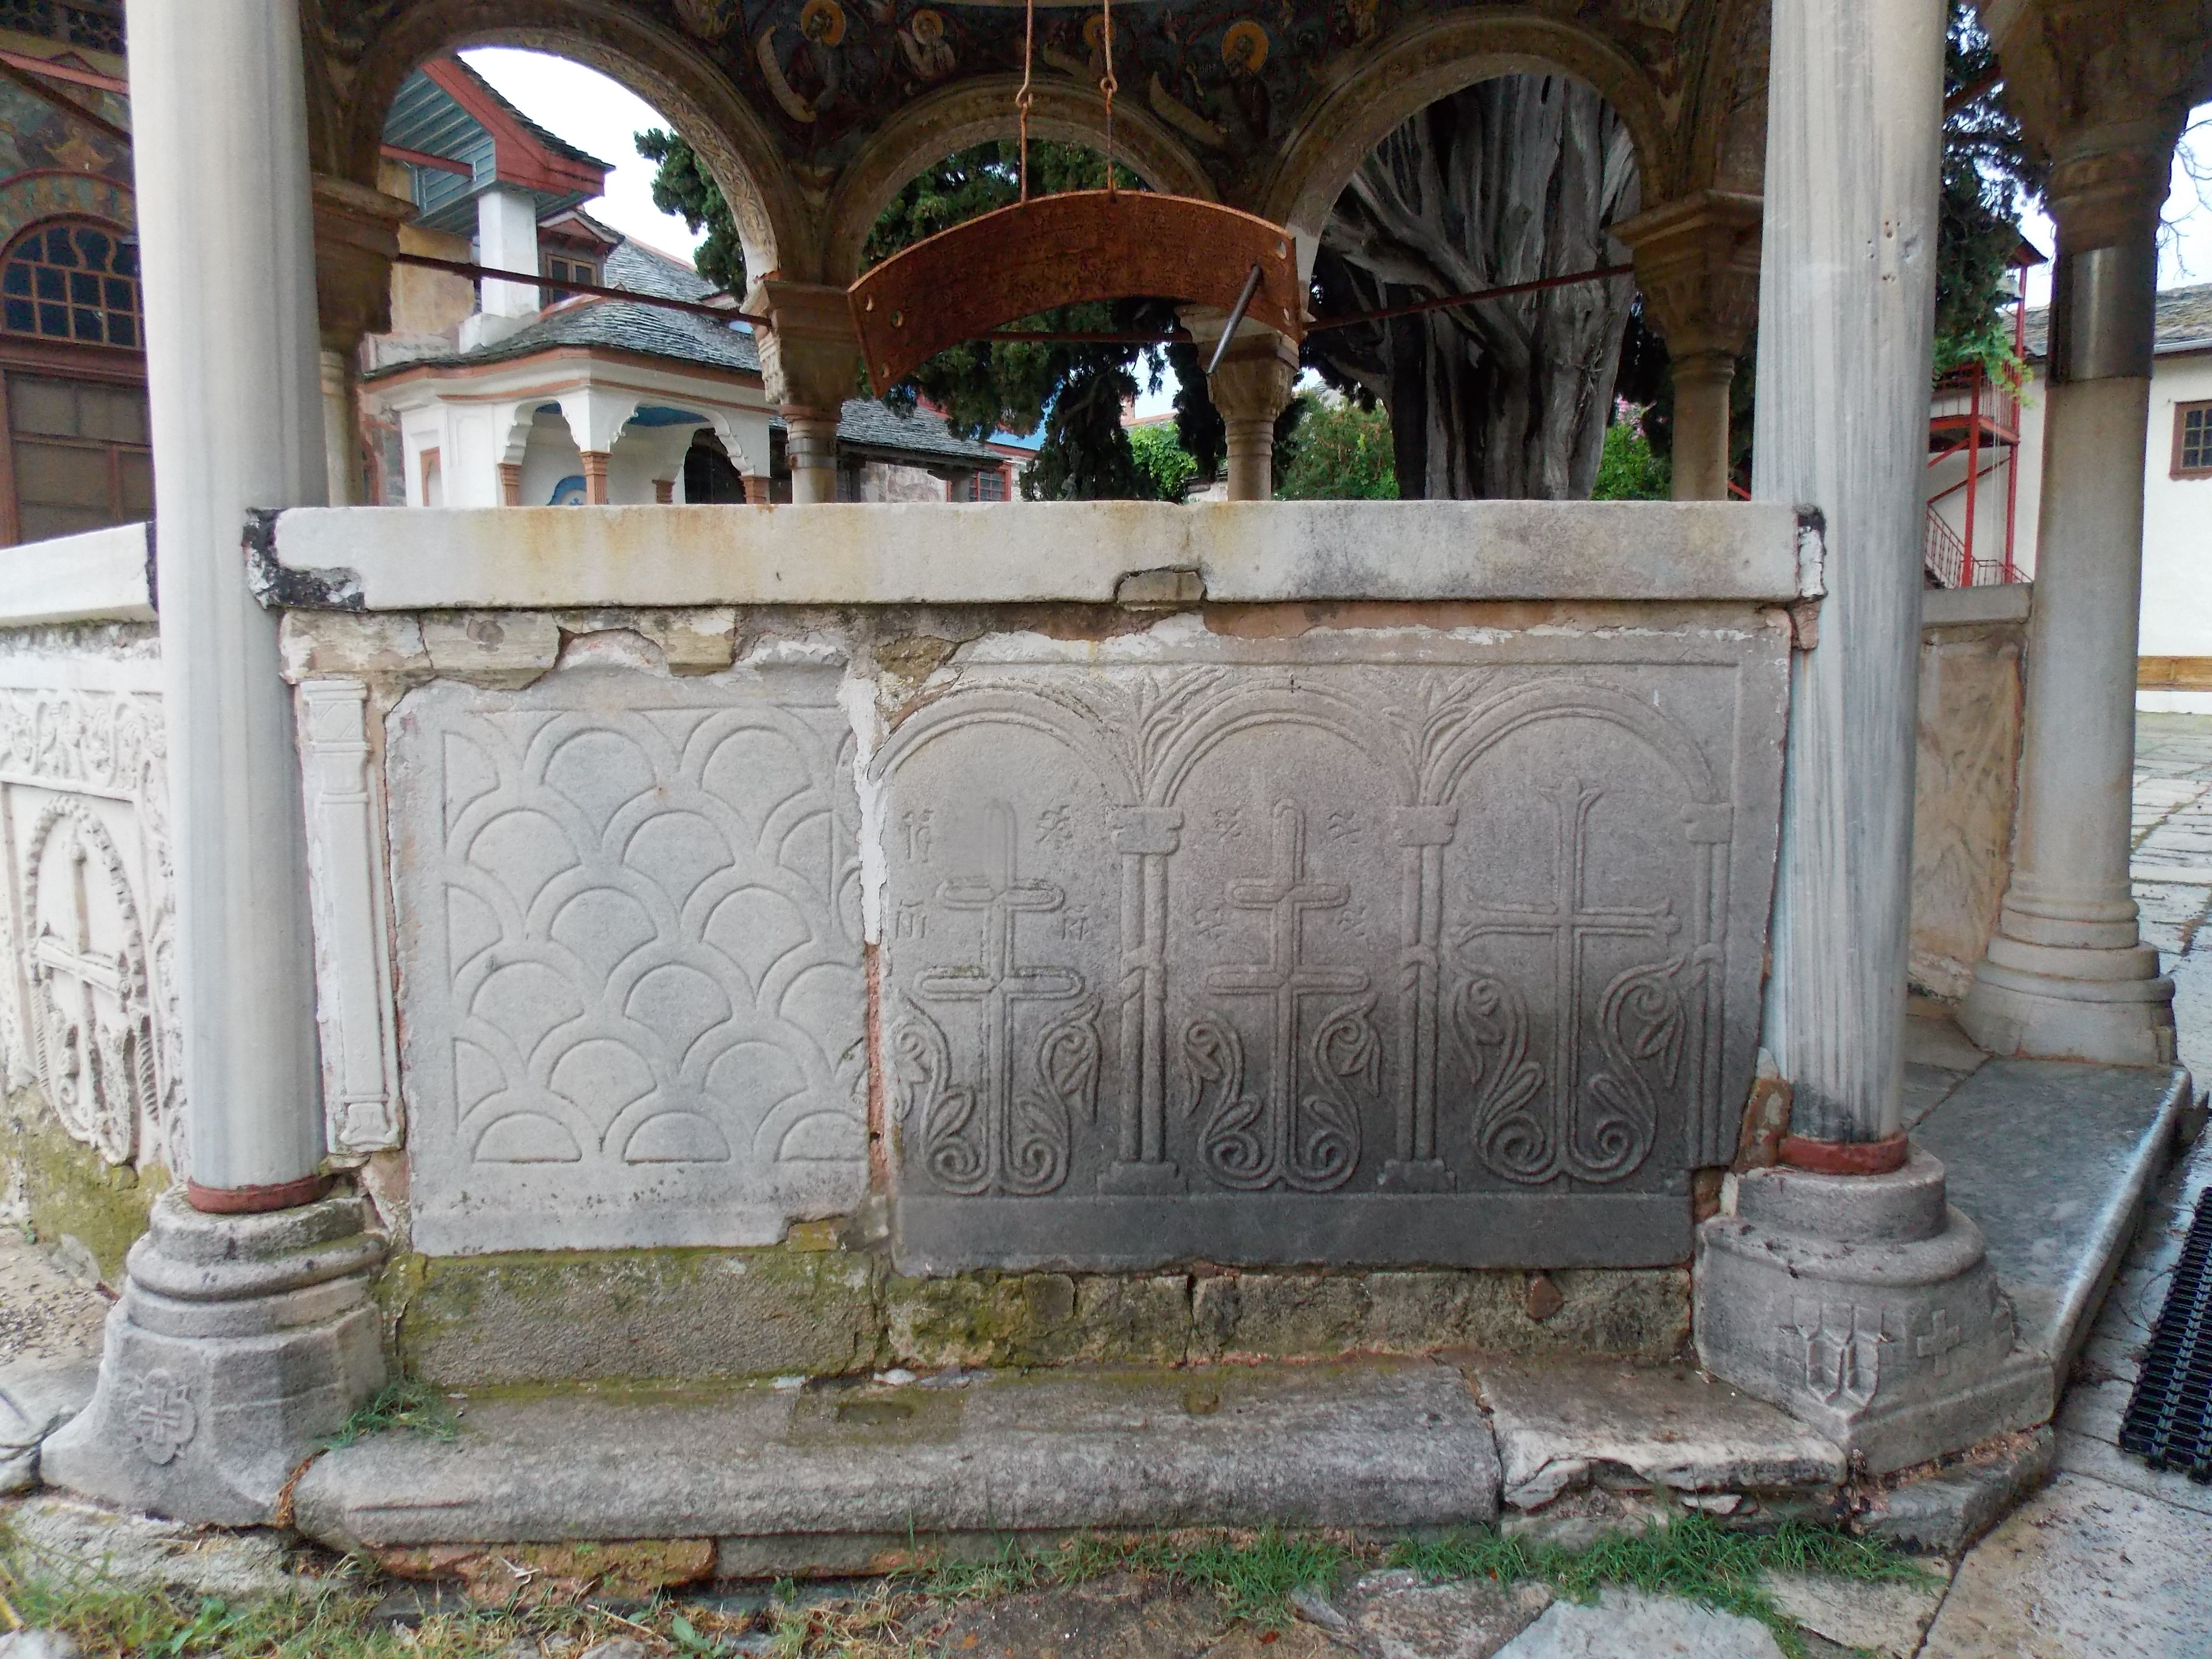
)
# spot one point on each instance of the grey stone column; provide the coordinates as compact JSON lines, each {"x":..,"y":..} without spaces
{"x":1697,"y":261}
{"x":810,"y":362}
{"x":2066,"y":976}
{"x":244,"y":1328}
{"x":1842,"y":1285}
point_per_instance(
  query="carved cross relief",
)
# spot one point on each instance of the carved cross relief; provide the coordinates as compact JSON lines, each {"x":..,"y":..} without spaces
{"x":1534,"y":1122}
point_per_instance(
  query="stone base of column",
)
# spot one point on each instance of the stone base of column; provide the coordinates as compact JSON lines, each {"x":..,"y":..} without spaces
{"x":1865,"y":1306}
{"x":239,"y":1341}
{"x":2047,"y":1002}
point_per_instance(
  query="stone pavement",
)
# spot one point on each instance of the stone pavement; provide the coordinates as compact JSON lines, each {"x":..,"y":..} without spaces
{"x":2111,"y":1558}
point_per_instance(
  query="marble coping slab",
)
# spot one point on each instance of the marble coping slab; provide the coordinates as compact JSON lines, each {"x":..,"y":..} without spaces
{"x":102,"y":575}
{"x":1380,"y":1444}
{"x":526,"y":558}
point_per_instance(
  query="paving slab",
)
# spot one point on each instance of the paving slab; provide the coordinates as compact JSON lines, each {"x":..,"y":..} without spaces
{"x":2084,"y":1571}
{"x":1380,"y":1445}
{"x":2054,"y":1163}
{"x":37,"y":1396}
{"x":1629,"y":1625}
{"x":77,"y":1542}
{"x":1394,"y":1615}
{"x":1885,"y":1619}
{"x":1945,"y":1511}
{"x":1559,"y":1422}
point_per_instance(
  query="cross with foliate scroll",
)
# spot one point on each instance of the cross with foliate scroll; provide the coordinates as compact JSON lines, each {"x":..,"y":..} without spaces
{"x":1569,"y":923}
{"x":997,"y":981}
{"x":1286,"y":977}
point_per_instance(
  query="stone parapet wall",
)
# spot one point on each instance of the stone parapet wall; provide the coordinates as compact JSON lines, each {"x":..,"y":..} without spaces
{"x":1971,"y":679}
{"x":88,"y":1031}
{"x":1161,"y":978}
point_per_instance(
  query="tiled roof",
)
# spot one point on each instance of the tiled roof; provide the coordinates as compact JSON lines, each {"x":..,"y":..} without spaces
{"x":684,"y":337}
{"x":867,"y":424}
{"x":624,"y":324}
{"x":2184,"y":322}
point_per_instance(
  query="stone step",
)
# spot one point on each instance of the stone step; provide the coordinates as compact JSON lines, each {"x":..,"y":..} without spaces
{"x":843,"y":1478}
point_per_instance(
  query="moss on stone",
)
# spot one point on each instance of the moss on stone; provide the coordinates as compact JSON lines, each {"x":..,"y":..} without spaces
{"x":623,"y":1315}
{"x":72,"y":1192}
{"x":686,"y":1315}
{"x":1037,"y":1319}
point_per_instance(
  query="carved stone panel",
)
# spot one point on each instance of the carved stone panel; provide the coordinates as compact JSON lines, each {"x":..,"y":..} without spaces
{"x":1353,"y":952}
{"x":89,"y":1013}
{"x":631,"y":992}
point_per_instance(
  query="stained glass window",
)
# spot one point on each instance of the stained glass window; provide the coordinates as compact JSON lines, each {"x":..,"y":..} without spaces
{"x":72,"y":280}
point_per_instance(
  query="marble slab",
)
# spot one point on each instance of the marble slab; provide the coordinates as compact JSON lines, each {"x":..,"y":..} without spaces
{"x":1360,"y":948}
{"x":631,"y":991}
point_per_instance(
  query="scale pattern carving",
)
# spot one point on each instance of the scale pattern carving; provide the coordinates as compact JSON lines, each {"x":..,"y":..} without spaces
{"x":649,"y":918}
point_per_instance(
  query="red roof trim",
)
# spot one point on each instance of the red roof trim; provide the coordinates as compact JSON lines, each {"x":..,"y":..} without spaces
{"x":519,"y":157}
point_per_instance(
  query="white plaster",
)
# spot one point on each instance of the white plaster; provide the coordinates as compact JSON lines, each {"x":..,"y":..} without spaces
{"x":353,"y":969}
{"x":914,"y":553}
{"x":506,"y":240}
{"x":98,"y":576}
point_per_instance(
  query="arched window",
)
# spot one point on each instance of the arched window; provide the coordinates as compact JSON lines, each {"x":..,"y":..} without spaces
{"x":72,"y":279}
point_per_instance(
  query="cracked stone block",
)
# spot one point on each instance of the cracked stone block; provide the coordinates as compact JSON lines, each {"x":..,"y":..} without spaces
{"x":1629,"y":1625}
{"x":1886,"y":1618}
{"x":1945,"y":1512}
{"x":1394,"y":1615}
{"x":135,"y":1552}
{"x":1561,"y":1424}
{"x":36,"y":1398}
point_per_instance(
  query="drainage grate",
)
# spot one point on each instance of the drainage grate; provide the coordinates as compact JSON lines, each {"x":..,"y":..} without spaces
{"x":2169,"y":1420}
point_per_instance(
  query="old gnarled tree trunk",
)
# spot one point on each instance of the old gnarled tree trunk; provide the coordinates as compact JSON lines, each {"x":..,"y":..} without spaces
{"x":1509,"y":180}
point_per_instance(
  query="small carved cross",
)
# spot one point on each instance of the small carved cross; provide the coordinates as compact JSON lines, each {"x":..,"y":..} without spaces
{"x":1942,"y":1337}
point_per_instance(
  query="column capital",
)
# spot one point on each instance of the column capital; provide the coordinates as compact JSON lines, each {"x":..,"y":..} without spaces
{"x":357,"y":233}
{"x":810,"y":355}
{"x":1697,"y":262}
{"x":2103,"y":88}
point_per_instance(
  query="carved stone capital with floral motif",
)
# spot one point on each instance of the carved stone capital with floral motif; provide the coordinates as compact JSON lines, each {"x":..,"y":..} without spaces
{"x":1697,"y":261}
{"x":2102,"y":88}
{"x":811,"y":357}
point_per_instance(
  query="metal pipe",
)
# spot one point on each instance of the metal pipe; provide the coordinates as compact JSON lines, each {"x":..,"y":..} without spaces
{"x":1235,"y":316}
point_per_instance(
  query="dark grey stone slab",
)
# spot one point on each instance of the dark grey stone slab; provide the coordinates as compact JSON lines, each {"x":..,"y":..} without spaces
{"x":1379,"y":1230}
{"x":1380,"y":1445}
{"x":2054,"y":1162}
{"x":1363,"y":948}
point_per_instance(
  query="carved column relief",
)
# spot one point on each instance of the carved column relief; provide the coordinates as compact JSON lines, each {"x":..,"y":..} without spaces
{"x":89,"y":912}
{"x":1146,"y":837}
{"x":353,"y":968}
{"x":1449,"y":961}
{"x":1423,"y":832}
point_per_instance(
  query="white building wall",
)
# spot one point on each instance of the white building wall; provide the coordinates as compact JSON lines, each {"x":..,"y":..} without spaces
{"x":2177,"y":612}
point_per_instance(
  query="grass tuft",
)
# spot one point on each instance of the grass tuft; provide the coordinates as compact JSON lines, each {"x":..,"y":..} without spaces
{"x":1694,"y":1557}
{"x":403,"y":1405}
